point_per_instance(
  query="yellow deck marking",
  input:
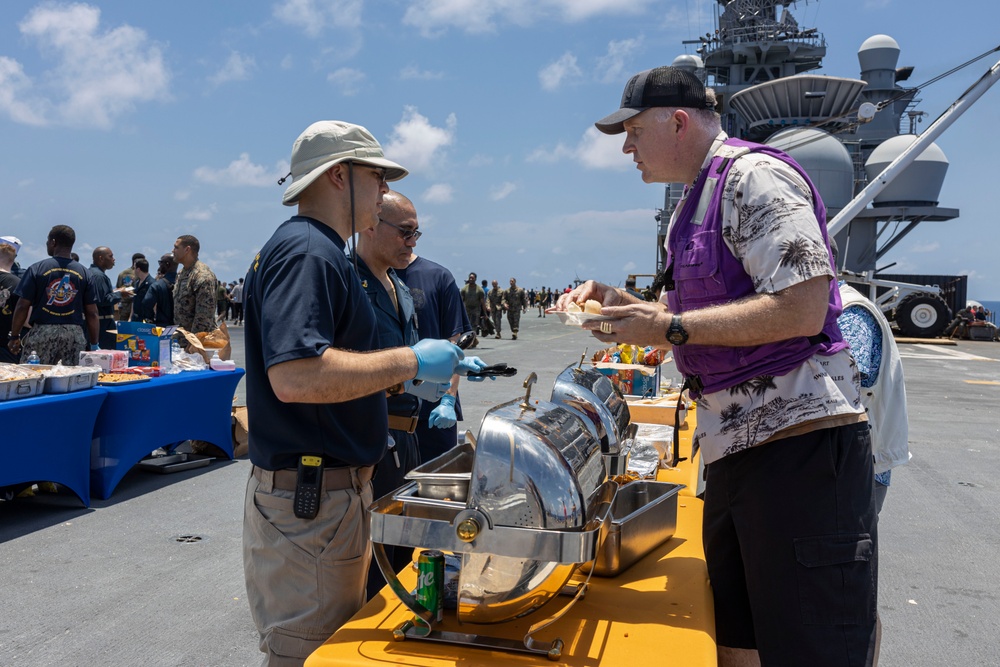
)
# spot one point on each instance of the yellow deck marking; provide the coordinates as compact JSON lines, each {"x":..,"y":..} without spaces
{"x":981,"y":382}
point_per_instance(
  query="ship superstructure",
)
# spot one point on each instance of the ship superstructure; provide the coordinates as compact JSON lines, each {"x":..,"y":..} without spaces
{"x":844,"y":131}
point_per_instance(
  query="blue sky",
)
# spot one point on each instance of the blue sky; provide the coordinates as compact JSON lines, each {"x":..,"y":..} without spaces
{"x":135,"y":122}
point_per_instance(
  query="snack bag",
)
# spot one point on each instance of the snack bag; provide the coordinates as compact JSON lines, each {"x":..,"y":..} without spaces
{"x":207,"y":343}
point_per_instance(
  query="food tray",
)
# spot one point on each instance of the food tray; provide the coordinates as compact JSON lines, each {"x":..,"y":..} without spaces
{"x":118,"y":383}
{"x":24,"y":388}
{"x":63,"y":384}
{"x":174,"y":462}
{"x":577,"y":319}
{"x":445,"y":477}
{"x":644,"y":517}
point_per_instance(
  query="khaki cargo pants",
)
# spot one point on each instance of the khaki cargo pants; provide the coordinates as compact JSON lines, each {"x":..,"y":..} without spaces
{"x":305,"y":577}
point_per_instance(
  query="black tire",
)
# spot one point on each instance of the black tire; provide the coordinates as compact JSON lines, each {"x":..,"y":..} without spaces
{"x":922,"y":315}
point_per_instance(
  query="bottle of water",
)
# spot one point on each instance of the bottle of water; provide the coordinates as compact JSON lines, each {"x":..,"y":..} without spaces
{"x":33,"y":358}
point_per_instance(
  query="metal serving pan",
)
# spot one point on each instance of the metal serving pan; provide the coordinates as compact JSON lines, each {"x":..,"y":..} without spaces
{"x":84,"y":378}
{"x":644,"y":516}
{"x":23,"y":388}
{"x":445,"y":477}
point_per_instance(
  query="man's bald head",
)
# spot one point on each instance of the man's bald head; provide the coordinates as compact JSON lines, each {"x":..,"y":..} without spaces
{"x":396,"y":206}
{"x":103,"y":257}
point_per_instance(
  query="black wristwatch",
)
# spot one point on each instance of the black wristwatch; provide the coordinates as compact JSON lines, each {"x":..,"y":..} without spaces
{"x":676,"y":334}
{"x":13,"y":336}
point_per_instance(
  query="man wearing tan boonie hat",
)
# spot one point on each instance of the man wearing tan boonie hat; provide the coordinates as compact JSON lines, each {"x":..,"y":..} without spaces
{"x":316,"y":395}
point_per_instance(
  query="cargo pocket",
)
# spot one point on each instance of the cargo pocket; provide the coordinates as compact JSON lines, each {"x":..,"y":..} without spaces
{"x":835,"y":579}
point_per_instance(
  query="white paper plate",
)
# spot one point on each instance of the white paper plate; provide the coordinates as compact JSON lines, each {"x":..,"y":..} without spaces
{"x":577,"y":319}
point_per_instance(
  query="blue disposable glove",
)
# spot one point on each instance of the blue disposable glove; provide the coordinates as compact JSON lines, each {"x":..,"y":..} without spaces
{"x":436,"y":359}
{"x":443,"y":416}
{"x":474,"y":365}
{"x":429,"y":391}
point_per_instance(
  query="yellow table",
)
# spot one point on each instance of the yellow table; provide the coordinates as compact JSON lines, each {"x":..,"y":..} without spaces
{"x":659,"y":611}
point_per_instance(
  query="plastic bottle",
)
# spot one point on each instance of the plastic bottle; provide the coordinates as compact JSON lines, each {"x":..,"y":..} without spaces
{"x":218,"y":364}
{"x":33,"y":358}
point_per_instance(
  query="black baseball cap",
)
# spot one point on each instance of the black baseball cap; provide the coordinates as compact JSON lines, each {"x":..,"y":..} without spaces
{"x":658,"y":87}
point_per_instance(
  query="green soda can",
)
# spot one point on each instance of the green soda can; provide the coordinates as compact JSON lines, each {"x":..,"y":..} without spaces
{"x":430,"y":582}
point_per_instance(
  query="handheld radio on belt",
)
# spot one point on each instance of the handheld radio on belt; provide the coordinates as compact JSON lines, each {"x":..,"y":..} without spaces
{"x":308,"y":486}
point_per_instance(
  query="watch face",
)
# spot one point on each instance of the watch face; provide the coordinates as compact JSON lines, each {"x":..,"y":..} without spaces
{"x":676,"y":335}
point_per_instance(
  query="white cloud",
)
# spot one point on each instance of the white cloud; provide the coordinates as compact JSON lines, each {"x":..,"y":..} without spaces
{"x":242,"y":172}
{"x":415,"y":143}
{"x":595,"y":150}
{"x":25,"y":183}
{"x":611,"y":66}
{"x":182,"y":195}
{"x":349,"y":80}
{"x":201,"y":214}
{"x":14,"y":88}
{"x":314,"y":17}
{"x":565,"y":69}
{"x":99,"y":73}
{"x":433,"y":17}
{"x":236,"y":68}
{"x":480,"y":160}
{"x":414,"y":73}
{"x":925,"y":247}
{"x":439,"y":193}
{"x":502,"y":191}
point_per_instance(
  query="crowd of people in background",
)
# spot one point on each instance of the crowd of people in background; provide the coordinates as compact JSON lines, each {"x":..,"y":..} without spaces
{"x":57,"y":308}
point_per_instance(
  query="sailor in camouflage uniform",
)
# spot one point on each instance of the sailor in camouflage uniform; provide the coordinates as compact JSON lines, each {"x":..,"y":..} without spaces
{"x":515,"y":301}
{"x":495,"y":298}
{"x":194,"y":291}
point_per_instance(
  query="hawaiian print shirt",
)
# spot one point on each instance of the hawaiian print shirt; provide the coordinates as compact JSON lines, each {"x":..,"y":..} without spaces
{"x":769,"y":225}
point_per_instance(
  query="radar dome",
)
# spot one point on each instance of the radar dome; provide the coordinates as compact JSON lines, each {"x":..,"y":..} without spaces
{"x":919,"y":184}
{"x":688,"y":62}
{"x":878,"y":52}
{"x":824,"y":158}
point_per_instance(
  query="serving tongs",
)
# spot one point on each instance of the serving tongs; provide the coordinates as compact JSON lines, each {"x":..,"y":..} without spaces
{"x":501,"y":370}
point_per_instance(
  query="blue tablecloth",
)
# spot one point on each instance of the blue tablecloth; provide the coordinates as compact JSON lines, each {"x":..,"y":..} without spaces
{"x":47,"y":439}
{"x":138,"y":418}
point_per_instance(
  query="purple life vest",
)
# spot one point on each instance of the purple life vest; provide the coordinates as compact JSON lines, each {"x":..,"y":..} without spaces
{"x":705,"y":273}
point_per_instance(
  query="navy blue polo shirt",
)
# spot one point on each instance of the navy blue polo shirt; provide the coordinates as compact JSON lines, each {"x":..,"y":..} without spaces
{"x":301,"y":297}
{"x":396,"y":328}
{"x":440,"y":310}
{"x":58,"y":289}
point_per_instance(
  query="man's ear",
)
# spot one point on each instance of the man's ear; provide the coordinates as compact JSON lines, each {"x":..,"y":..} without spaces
{"x":338,"y":176}
{"x":681,"y":122}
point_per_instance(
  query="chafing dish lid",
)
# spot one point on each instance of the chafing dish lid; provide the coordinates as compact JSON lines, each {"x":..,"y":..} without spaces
{"x":592,"y":395}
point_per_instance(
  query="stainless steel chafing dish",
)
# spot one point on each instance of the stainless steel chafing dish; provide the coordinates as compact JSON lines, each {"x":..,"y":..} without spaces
{"x":590,"y":394}
{"x":537,"y":506}
{"x":525,"y":505}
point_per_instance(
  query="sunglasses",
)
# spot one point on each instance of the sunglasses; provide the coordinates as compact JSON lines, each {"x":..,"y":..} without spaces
{"x":407,"y":234}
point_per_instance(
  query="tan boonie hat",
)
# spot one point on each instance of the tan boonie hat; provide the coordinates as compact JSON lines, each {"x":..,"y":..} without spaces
{"x":327,"y":142}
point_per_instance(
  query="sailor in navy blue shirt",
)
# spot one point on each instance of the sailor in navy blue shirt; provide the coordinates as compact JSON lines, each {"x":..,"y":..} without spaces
{"x":57,"y":293}
{"x":440,"y":314}
{"x":105,"y":296}
{"x":385,"y":247}
{"x":316,"y":396}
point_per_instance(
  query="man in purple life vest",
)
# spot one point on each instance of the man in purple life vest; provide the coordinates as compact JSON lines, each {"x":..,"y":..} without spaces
{"x":750,"y":308}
